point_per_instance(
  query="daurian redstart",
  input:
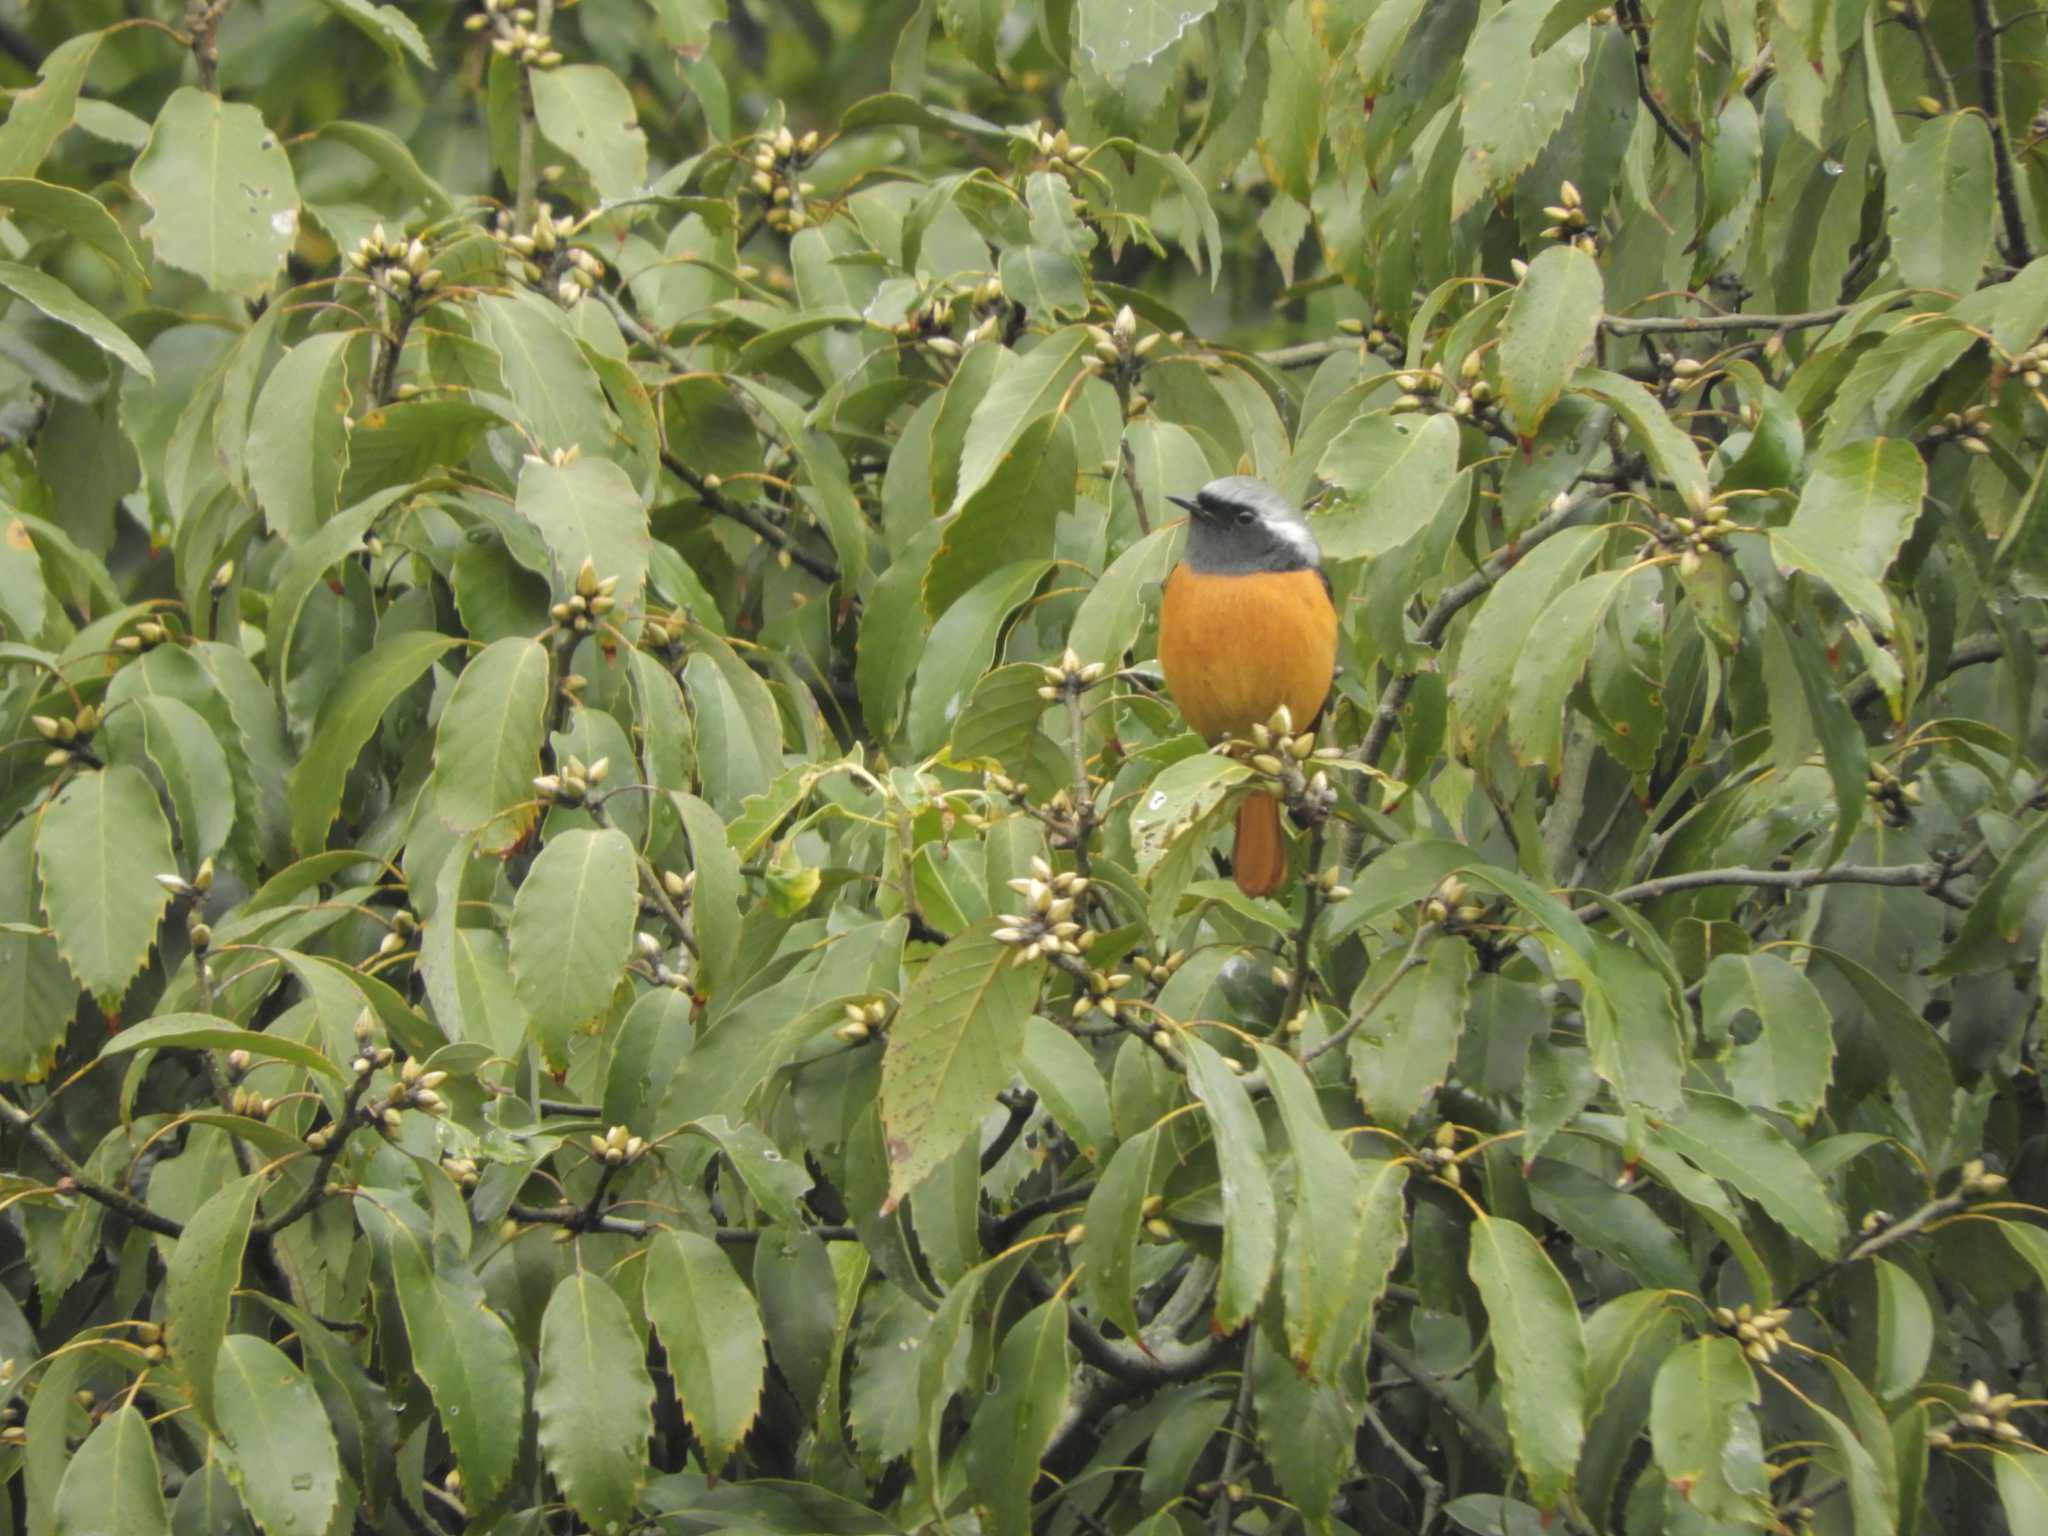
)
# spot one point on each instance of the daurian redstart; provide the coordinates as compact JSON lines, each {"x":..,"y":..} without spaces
{"x":1246,"y":625}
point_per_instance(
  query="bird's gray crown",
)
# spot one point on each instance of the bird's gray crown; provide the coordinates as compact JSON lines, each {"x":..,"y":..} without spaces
{"x":1238,"y":526}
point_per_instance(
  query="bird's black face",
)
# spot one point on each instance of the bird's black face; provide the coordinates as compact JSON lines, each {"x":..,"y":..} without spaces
{"x":1239,"y":526}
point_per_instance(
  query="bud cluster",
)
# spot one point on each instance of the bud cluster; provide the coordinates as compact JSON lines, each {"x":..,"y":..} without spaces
{"x":665,"y":975}
{"x":1068,"y":678}
{"x":1439,"y":1158}
{"x":462,"y":1170}
{"x":70,"y":738}
{"x":200,"y":883}
{"x":574,"y":782}
{"x":778,"y":158}
{"x":546,"y":259}
{"x":1049,"y":926}
{"x":1568,"y":223}
{"x":512,"y":34}
{"x":1894,"y":797}
{"x":1968,"y":429}
{"x":1985,"y":1415}
{"x":1697,"y":537}
{"x":1097,"y":997}
{"x":406,"y":265}
{"x":1448,"y":905}
{"x":1158,"y":973}
{"x":591,"y":600}
{"x":862,"y":1020}
{"x":1060,"y":152}
{"x":1976,"y":1181}
{"x":617,"y":1147}
{"x":146,"y":636}
{"x":1761,"y":1334}
{"x":1118,"y":348}
{"x":1377,"y":334}
{"x":1278,"y":752}
{"x":413,"y":1090}
{"x":2032,"y":364}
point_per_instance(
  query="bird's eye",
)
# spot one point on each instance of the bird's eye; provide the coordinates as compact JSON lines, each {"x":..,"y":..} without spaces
{"x":1246,"y":517}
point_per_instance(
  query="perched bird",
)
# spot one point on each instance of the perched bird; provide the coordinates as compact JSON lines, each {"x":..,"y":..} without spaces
{"x":1246,"y":625}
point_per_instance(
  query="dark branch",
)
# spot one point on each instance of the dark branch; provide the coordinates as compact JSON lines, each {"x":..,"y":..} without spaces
{"x":747,"y":517}
{"x":2019,"y":250}
{"x":76,"y":1181}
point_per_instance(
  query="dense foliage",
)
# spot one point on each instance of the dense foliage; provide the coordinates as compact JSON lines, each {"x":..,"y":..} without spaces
{"x":604,"y":922}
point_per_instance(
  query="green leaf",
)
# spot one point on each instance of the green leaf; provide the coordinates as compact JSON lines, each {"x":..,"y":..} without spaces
{"x":1551,"y":321}
{"x":1732,"y":173}
{"x":1120,"y":35}
{"x":586,"y":110}
{"x":1032,"y":385}
{"x":347,"y":720}
{"x":550,"y":380}
{"x":1011,"y":518}
{"x":38,"y":116}
{"x":1014,"y":1423}
{"x":710,"y":1328}
{"x":461,"y":1349}
{"x":204,"y":1032}
{"x":1938,"y":203}
{"x":996,"y":726}
{"x":43,"y":995}
{"x":113,"y":1486}
{"x":1540,"y":1351}
{"x":1905,"y":1330}
{"x":588,"y":510}
{"x":954,"y":1046}
{"x":1990,"y":934}
{"x":80,"y":216}
{"x":1546,"y":674}
{"x":188,"y":757}
{"x":1345,"y":1235}
{"x":961,"y":644}
{"x":2023,"y":1488}
{"x":299,"y":436}
{"x":1250,"y":1218}
{"x":199,"y":1281}
{"x":1395,"y":471}
{"x":595,"y":1401}
{"x":715,"y":898}
{"x":1729,"y":1142}
{"x":488,"y":742}
{"x":1107,"y":1255}
{"x":68,"y":309}
{"x":274,"y":1437}
{"x":1514,"y":99}
{"x":1859,"y":504}
{"x":1674,"y":455}
{"x":1480,"y":686}
{"x":99,"y":843}
{"x":1401,"y":1055}
{"x":1704,"y":1433}
{"x":1610,"y":1221}
{"x":225,"y":206}
{"x":572,"y":932}
{"x":1788,"y":1065}
{"x":388,"y":27}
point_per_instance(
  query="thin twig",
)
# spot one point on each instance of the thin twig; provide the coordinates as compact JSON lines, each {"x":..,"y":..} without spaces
{"x":1937,"y":67}
{"x":747,"y":517}
{"x":1881,"y":1239}
{"x":1130,"y":463}
{"x":1631,"y":14}
{"x":1432,"y":1490}
{"x":1653,"y":325}
{"x":1971,"y":652}
{"x":1929,"y":876}
{"x":578,"y":1219}
{"x":1021,"y":1106}
{"x":1415,"y":957}
{"x":1311,"y":909}
{"x":76,"y":1180}
{"x":345,"y":1125}
{"x":1224,"y":1498}
{"x":202,"y":27}
{"x":2019,"y":250}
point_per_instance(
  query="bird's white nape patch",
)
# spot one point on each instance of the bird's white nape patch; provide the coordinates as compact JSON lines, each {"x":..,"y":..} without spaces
{"x":1295,"y":535}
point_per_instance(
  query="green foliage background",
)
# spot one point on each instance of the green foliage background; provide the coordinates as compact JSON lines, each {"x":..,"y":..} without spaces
{"x":605,"y":925}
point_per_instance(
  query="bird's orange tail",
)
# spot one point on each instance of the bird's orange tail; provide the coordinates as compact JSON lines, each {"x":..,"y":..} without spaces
{"x":1259,"y":861}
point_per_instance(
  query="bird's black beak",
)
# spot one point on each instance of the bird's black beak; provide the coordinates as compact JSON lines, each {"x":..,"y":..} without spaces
{"x":1187,"y":504}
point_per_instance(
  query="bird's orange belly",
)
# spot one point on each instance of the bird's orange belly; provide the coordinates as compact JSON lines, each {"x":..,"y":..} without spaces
{"x":1235,"y":648}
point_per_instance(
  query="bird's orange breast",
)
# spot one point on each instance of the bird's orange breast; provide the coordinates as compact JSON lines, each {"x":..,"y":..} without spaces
{"x":1235,"y":648}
